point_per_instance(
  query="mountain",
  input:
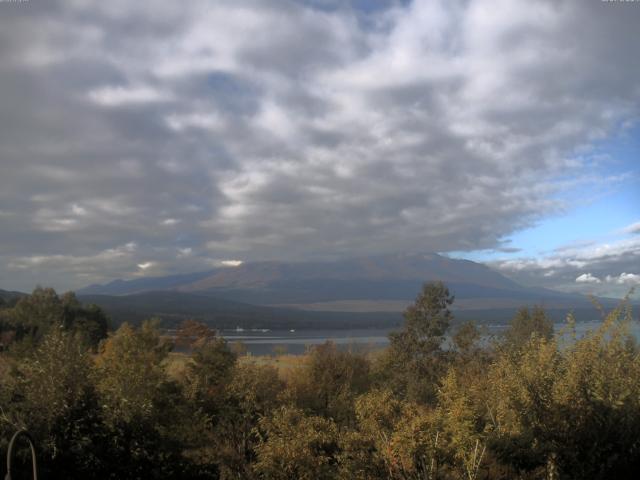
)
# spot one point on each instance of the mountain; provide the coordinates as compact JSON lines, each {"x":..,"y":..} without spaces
{"x":351,"y":293}
{"x":373,"y":269}
{"x":368,"y":284}
{"x":7,"y":295}
{"x":127,"y":287}
{"x":172,"y":307}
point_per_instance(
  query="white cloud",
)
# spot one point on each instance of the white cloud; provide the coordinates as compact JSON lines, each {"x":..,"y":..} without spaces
{"x":576,"y":257}
{"x":170,"y":222}
{"x":633,"y":228}
{"x":75,"y":262}
{"x":131,"y":247}
{"x":115,"y":96}
{"x":231,"y":263}
{"x":78,"y":210}
{"x":563,"y":269}
{"x":587,"y":278}
{"x":624,"y":279}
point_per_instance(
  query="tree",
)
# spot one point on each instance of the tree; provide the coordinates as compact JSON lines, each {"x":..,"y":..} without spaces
{"x":293,"y":445}
{"x":573,"y":410}
{"x":526,"y":324}
{"x":130,"y":372}
{"x":415,"y":360}
{"x":89,"y":321}
{"x":141,"y":405}
{"x":57,"y":402}
{"x":328,"y":381}
{"x":34,"y":315}
{"x":465,"y":338}
{"x":192,"y":334}
{"x":252,"y":394}
{"x":209,"y":372}
{"x":429,"y":317}
{"x":393,"y":438}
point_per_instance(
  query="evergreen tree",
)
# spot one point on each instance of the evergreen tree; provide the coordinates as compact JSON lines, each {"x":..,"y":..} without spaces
{"x":415,"y":360}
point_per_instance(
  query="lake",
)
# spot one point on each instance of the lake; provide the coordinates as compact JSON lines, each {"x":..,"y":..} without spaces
{"x":295,"y":342}
{"x":264,"y":342}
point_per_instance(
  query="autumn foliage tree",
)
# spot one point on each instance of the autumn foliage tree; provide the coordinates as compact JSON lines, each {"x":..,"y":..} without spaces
{"x":33,"y":316}
{"x":531,"y":405}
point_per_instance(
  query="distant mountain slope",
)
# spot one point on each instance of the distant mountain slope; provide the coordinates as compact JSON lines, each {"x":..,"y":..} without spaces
{"x":374,"y":270}
{"x":381,"y":277}
{"x":373,"y":284}
{"x":127,"y":287}
{"x":173,"y":307}
{"x":8,"y":295}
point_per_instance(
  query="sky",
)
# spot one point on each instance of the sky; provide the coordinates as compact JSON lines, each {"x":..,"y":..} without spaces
{"x":149,"y":138}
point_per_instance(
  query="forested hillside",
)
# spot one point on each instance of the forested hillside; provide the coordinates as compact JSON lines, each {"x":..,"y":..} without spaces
{"x":175,"y":307}
{"x":120,"y":404}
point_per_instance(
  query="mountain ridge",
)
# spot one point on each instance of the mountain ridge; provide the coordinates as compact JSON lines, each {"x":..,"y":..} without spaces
{"x":355,"y":284}
{"x":266,"y":274}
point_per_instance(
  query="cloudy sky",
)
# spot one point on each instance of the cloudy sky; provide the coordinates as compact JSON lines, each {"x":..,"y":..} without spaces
{"x":144,"y":138}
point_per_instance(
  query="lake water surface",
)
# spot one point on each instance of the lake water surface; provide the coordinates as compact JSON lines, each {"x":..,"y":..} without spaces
{"x":296,"y":342}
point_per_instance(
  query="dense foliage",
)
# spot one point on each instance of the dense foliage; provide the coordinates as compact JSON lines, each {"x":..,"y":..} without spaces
{"x":440,"y":402}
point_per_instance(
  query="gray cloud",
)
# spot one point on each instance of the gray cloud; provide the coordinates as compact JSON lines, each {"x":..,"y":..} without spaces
{"x":209,"y":131}
{"x":608,"y":269}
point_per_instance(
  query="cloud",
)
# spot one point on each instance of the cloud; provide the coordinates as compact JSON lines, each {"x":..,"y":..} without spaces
{"x":121,"y":254}
{"x":564,"y":268}
{"x":624,"y":279}
{"x":231,"y":263}
{"x":633,"y":228}
{"x":205,"y":121}
{"x":78,"y":210}
{"x":587,"y":278}
{"x":277,"y":130}
{"x":170,"y":222}
{"x":119,"y":96}
{"x":508,"y":249}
